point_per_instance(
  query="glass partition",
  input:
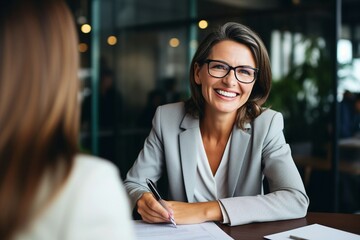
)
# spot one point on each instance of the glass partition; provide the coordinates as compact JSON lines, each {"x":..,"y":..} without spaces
{"x":348,"y":57}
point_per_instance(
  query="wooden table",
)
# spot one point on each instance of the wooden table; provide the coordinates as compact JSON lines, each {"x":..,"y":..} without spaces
{"x":256,"y":231}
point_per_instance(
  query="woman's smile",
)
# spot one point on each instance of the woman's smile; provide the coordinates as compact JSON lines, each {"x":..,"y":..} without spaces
{"x":226,"y":94}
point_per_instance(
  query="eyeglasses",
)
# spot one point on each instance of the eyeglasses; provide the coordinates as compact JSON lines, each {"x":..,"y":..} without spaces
{"x":220,"y":69}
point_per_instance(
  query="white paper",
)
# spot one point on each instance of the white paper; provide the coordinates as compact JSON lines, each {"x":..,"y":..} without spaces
{"x":314,"y":232}
{"x":202,"y":231}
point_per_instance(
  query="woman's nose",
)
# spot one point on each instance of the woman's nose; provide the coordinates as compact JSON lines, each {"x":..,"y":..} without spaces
{"x":230,"y":79}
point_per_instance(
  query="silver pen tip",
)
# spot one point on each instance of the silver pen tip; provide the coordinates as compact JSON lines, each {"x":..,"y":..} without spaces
{"x":173,"y":222}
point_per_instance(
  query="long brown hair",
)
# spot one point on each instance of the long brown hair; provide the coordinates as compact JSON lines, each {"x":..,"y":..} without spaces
{"x":241,"y":34}
{"x":39,"y":110}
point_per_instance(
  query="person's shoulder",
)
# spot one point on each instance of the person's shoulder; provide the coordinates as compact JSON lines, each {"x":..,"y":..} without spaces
{"x":91,"y":174}
{"x":171,"y":112}
{"x":268,"y":113}
{"x":94,"y":195}
{"x":87,"y":164}
{"x":173,"y":107}
{"x":87,"y":160}
{"x":269,"y":117}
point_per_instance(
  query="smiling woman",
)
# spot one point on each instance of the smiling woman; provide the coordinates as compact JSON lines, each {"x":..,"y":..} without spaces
{"x":216,"y":148}
{"x":222,"y":91}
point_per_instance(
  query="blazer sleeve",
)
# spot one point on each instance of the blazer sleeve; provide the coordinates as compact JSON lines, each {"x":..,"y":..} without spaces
{"x":149,"y":163}
{"x":287,"y":198}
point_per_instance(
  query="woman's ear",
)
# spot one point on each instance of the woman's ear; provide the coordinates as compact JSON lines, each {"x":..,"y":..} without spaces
{"x":197,"y":69}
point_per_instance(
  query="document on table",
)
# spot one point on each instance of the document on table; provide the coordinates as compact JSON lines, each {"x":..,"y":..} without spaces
{"x":202,"y":231}
{"x":314,"y":232}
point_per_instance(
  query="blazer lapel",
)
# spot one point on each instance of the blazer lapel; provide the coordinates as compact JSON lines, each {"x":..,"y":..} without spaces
{"x":189,"y":142}
{"x":238,"y":147}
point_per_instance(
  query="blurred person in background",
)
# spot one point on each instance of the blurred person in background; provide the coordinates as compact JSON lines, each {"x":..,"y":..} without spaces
{"x":48,"y":190}
{"x":350,"y":115}
{"x":108,"y":101}
{"x":357,"y":115}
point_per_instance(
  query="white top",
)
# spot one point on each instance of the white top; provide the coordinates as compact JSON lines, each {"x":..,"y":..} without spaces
{"x":91,"y":205}
{"x":209,"y":187}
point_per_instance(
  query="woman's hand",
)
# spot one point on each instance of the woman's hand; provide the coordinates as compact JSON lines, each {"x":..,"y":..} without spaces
{"x":151,"y":210}
{"x":189,"y":213}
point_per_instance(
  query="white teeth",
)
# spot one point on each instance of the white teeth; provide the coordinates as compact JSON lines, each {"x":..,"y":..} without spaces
{"x":226,"y":94}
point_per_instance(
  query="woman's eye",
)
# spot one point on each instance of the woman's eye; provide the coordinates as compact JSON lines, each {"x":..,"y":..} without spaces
{"x":220,"y":67}
{"x":244,"y":71}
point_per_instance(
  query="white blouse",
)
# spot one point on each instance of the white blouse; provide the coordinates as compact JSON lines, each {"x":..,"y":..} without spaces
{"x":209,"y":187}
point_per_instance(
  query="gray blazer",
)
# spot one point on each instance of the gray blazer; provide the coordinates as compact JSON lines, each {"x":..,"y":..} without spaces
{"x":259,"y":151}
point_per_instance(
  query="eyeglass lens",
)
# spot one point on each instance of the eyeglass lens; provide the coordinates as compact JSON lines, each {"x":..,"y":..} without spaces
{"x":242,"y":73}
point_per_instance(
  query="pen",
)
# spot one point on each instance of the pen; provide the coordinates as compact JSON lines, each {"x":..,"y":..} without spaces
{"x":157,"y":196}
{"x":297,"y":238}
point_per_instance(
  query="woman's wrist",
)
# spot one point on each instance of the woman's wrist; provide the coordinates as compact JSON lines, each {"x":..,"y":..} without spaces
{"x":212,"y":211}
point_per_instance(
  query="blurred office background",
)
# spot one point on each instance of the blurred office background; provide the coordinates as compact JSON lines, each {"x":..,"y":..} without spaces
{"x":135,"y":55}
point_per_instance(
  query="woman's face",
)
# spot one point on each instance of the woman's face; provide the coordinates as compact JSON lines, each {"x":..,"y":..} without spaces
{"x":225,"y":95}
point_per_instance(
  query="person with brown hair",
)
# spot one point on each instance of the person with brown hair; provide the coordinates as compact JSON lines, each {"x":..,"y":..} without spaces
{"x":48,"y":190}
{"x":215,"y":150}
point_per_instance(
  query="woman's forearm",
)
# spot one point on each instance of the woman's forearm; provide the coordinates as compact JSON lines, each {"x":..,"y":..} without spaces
{"x":189,"y":213}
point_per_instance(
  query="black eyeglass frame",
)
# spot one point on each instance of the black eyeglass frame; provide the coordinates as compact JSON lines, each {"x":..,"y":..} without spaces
{"x":256,"y":70}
